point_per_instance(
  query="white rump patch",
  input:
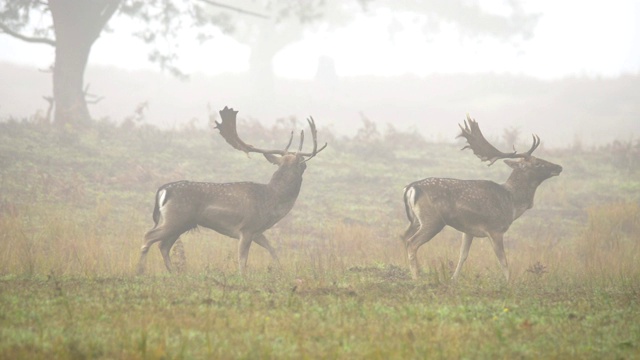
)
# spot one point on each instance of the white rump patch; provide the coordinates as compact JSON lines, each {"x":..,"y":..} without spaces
{"x":411,"y":196}
{"x":161,"y":196}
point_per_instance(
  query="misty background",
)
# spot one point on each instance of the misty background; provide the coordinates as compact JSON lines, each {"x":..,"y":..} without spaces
{"x":568,"y":72}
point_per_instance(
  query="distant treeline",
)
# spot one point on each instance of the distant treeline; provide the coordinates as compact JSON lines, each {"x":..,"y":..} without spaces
{"x":574,"y":111}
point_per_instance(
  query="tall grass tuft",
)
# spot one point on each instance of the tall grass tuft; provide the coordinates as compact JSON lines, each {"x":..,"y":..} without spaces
{"x":609,"y":242}
{"x":64,"y":240}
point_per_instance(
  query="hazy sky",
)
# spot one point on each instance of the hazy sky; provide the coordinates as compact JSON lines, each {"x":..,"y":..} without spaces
{"x":588,"y":39}
{"x":593,"y":38}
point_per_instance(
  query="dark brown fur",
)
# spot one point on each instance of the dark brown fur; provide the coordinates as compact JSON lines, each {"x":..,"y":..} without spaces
{"x":241,"y":210}
{"x":477,"y":208}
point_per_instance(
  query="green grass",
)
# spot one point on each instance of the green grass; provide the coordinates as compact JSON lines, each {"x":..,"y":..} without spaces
{"x":75,"y":205}
{"x":373,"y":312}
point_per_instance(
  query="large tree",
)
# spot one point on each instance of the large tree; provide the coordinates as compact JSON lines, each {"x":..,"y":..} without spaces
{"x":290,"y":18}
{"x":73,"y":26}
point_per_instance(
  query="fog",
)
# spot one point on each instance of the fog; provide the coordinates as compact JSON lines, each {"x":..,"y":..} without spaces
{"x":534,"y":66}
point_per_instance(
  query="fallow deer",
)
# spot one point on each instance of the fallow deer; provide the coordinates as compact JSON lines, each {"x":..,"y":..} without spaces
{"x":240,"y":210}
{"x":477,"y":208}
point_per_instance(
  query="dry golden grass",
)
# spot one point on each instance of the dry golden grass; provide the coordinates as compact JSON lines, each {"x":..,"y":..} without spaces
{"x":69,"y":245}
{"x":42,"y":240}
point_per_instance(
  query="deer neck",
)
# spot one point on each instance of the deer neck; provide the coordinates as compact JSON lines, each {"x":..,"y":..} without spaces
{"x":522,"y":189}
{"x":285,"y":185}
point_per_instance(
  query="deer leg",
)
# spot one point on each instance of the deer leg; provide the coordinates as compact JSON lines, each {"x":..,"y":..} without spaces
{"x":411,"y":230}
{"x":152,"y":236}
{"x":158,"y":233}
{"x":243,"y":251}
{"x":178,"y":258}
{"x":261,"y":240}
{"x":425,"y":233}
{"x":498,"y":248}
{"x":142,"y":260}
{"x":464,"y":253}
{"x":165,"y":248}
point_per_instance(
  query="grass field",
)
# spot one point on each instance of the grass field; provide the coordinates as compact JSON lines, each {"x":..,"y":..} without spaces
{"x":74,"y":206}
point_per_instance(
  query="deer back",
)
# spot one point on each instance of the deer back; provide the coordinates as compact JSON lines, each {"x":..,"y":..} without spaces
{"x":227,"y":208}
{"x":470,"y":206}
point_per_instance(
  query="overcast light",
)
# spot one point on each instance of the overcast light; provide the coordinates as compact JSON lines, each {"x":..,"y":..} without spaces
{"x":597,"y":40}
{"x":377,"y":65}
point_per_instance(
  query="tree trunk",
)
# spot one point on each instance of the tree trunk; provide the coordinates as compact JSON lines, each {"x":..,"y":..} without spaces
{"x":68,"y":81}
{"x":77,"y":25}
{"x":272,"y":37}
{"x":263,"y":50}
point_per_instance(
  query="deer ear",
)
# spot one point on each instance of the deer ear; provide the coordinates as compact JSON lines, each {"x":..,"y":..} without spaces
{"x":512,"y":163}
{"x":275,"y":160}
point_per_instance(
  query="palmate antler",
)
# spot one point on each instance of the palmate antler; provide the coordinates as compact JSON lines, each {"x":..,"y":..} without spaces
{"x":483,"y":149}
{"x":229,"y":132}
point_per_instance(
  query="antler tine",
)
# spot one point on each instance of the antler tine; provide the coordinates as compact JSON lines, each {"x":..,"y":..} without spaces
{"x":301,"y":140}
{"x":286,"y":149}
{"x":314,"y":136}
{"x":229,"y":132}
{"x":536,"y":143}
{"x":465,"y":132}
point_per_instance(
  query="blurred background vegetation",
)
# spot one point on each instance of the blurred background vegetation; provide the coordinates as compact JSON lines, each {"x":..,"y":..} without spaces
{"x":79,"y":200}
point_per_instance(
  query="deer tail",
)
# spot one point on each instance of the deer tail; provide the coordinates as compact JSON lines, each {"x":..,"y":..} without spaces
{"x":410,"y":197}
{"x":161,"y":198}
{"x":156,"y":210}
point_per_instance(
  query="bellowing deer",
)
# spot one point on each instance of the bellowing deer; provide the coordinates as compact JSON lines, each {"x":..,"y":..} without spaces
{"x":241,"y":210}
{"x":477,"y":208}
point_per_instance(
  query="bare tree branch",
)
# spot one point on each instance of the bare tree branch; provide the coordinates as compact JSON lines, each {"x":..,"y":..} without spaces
{"x":108,"y":9}
{"x":5,"y":29}
{"x":242,"y":11}
{"x":91,"y":98}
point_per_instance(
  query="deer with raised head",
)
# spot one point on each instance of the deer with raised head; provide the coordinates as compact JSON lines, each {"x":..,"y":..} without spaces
{"x":240,"y":210}
{"x":477,"y":208}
